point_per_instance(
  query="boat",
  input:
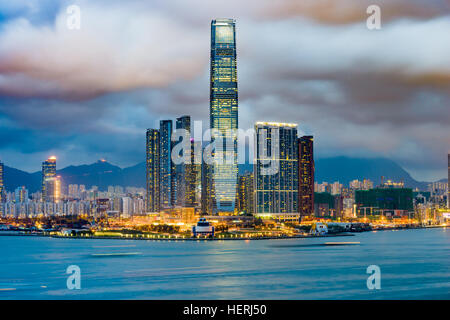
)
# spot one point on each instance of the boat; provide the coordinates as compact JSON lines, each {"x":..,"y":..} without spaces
{"x":203,"y":227}
{"x":340,"y":243}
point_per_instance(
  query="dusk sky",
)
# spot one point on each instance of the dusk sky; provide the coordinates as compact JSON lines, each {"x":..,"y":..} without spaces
{"x":91,"y":93}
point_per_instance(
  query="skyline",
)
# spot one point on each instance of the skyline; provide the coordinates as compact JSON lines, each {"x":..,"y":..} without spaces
{"x":39,"y":102}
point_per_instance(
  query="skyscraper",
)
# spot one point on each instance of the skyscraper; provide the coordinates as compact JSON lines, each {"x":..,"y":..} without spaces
{"x":186,"y":173}
{"x":208,"y":201}
{"x":152,"y":171}
{"x":166,"y":167}
{"x":49,"y":182}
{"x":276,"y":190}
{"x":306,"y":175}
{"x":224,"y":112}
{"x":245,"y":194}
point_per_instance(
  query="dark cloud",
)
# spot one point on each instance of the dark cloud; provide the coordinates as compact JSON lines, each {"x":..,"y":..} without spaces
{"x":91,"y":94}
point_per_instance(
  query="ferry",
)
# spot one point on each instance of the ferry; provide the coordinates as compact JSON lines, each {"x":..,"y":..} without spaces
{"x":203,"y":227}
{"x":319,"y":229}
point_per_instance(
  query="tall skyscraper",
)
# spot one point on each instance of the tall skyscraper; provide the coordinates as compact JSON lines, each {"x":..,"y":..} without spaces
{"x":166,"y":166}
{"x":152,"y":171}
{"x":49,"y":183}
{"x":276,"y":190}
{"x":186,"y":173}
{"x":224,"y":112}
{"x":306,"y":175}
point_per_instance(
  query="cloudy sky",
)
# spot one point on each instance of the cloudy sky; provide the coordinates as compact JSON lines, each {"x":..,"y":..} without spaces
{"x":91,"y":93}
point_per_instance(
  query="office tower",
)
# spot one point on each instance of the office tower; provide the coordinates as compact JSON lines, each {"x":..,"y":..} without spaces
{"x":224,"y":112}
{"x":48,"y":179}
{"x":21,"y":194}
{"x":52,"y":189}
{"x":152,"y":171}
{"x":448,"y":182}
{"x":208,"y":200}
{"x":276,"y":168}
{"x":245,"y":194}
{"x":166,"y":166}
{"x":186,"y":172}
{"x":306,"y":175}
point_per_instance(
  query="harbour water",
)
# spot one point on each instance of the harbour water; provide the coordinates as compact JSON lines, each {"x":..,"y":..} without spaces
{"x":414,"y":264}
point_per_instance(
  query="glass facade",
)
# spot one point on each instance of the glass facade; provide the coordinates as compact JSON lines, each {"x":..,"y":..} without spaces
{"x":245,"y":194}
{"x":152,"y":171}
{"x":306,"y":175}
{"x":186,"y":173}
{"x":276,"y":191}
{"x":48,"y":179}
{"x":166,"y":167}
{"x":224,"y":112}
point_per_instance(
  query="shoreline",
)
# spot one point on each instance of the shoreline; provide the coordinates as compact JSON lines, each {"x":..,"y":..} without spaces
{"x":344,"y":234}
{"x":176,"y":239}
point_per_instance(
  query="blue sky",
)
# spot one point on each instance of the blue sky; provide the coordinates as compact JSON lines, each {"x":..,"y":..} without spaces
{"x":91,"y":93}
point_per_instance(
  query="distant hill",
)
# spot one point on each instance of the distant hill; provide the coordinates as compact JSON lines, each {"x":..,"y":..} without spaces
{"x":345,"y":169}
{"x":100,"y":173}
{"x":104,"y":174}
{"x":14,"y":178}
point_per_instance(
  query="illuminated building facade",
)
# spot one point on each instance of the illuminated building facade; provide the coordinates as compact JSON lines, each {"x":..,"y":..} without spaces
{"x":448,"y":182}
{"x":224,"y":112}
{"x":208,"y":202}
{"x":276,"y":191}
{"x":49,"y":180}
{"x":306,"y":175}
{"x":21,"y":194}
{"x":245,"y":194}
{"x":384,"y":201}
{"x":152,"y":171}
{"x":166,"y":167}
{"x":186,"y":173}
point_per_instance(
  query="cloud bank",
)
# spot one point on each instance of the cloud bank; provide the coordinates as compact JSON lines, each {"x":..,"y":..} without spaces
{"x":91,"y":93}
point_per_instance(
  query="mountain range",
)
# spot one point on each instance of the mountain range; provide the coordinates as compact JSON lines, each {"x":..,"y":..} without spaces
{"x":104,"y":174}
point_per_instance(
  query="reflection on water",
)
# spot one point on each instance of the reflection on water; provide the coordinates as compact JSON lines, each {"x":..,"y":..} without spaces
{"x":414,"y":265}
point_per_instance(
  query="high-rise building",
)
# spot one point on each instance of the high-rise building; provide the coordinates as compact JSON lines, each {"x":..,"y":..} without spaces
{"x":224,"y":112}
{"x":49,"y":182}
{"x":166,"y":166}
{"x":152,"y":171}
{"x":186,"y":172}
{"x":208,"y":201}
{"x":276,"y":189}
{"x":306,"y":175}
{"x":245,"y":194}
{"x":73,"y":191}
{"x":21,"y":194}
